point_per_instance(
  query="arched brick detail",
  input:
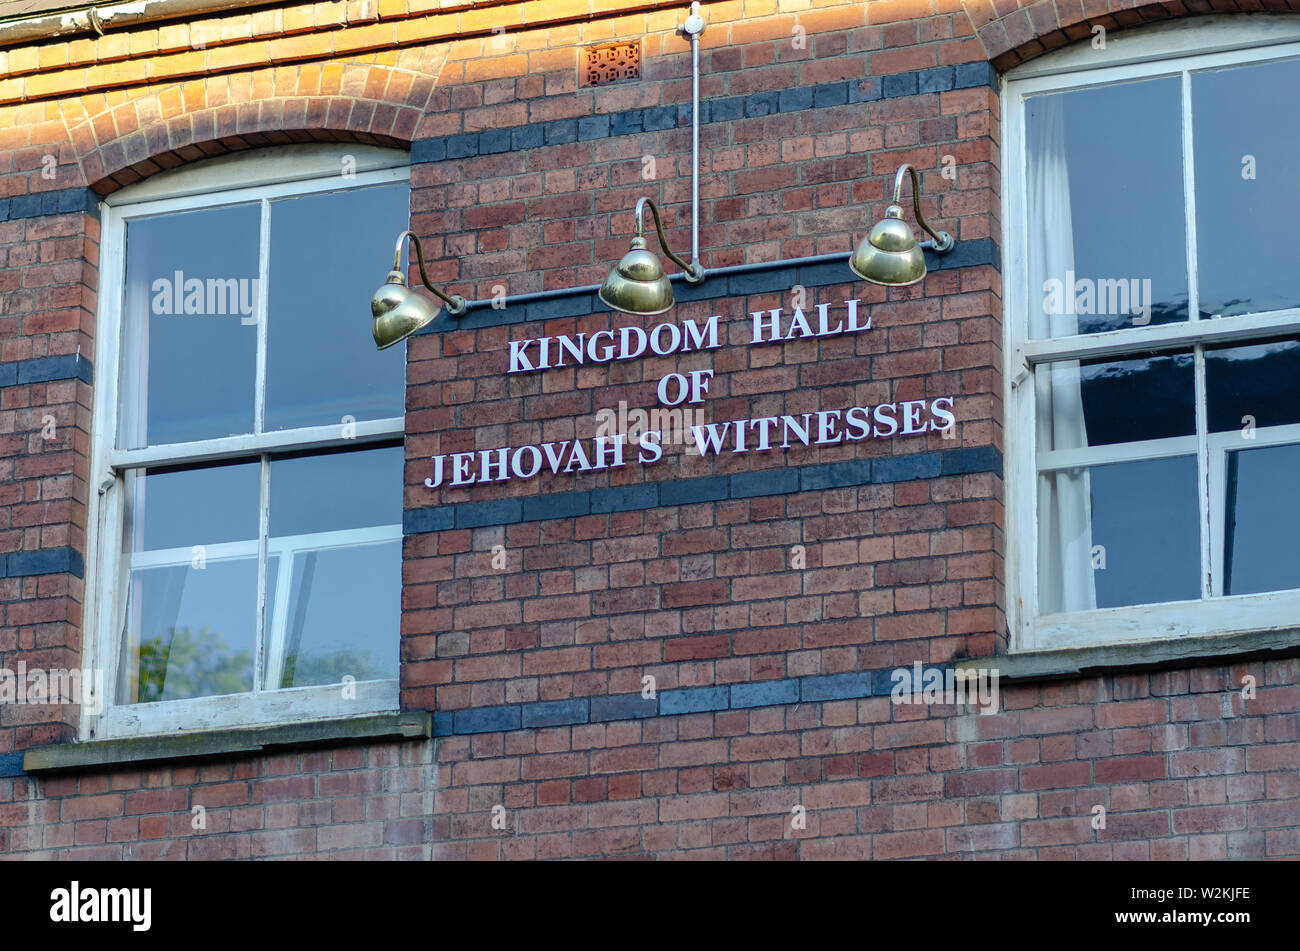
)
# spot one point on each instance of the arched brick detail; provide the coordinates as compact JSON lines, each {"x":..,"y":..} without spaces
{"x":136,"y":135}
{"x":1014,"y":31}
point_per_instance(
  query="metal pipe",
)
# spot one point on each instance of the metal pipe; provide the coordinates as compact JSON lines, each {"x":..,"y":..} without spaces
{"x":694,"y":273}
{"x":455,"y":303}
{"x":694,"y":27}
{"x":943,"y":241}
{"x":556,"y":293}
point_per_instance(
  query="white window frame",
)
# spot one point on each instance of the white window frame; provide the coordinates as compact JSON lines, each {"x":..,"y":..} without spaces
{"x":1172,"y":49}
{"x":261,"y":176}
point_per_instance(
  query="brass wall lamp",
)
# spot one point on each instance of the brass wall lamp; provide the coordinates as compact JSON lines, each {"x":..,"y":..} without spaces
{"x":890,"y":254}
{"x":399,"y":311}
{"x":637,"y":284}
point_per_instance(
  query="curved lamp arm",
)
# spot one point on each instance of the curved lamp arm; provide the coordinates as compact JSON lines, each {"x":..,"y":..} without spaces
{"x":694,"y":272}
{"x":943,"y":241}
{"x":455,"y":303}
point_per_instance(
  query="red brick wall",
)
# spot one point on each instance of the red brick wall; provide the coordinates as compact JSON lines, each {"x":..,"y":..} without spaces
{"x":353,"y":802}
{"x":48,"y":276}
{"x":696,"y":595}
{"x":1177,"y":778}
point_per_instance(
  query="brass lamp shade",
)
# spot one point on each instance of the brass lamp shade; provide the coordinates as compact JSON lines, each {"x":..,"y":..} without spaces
{"x":889,"y":254}
{"x":638,"y":284}
{"x":398,"y":311}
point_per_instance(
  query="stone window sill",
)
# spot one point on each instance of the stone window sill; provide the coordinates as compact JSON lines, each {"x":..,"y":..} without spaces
{"x":138,"y":750}
{"x":1031,"y":666}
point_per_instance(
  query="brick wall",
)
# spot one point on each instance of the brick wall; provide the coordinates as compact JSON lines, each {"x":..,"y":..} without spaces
{"x":353,"y":803}
{"x":1181,"y":767}
{"x":768,"y":595}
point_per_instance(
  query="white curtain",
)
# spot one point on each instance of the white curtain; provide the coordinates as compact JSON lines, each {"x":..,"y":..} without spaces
{"x":1065,"y":580}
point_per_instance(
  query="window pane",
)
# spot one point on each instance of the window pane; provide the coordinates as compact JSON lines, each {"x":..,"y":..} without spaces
{"x":190,"y":339}
{"x":328,"y":255}
{"x":1254,"y":386}
{"x":336,"y":525}
{"x":1103,"y":402}
{"x":1262,"y":520}
{"x":1119,"y":534}
{"x":191,"y":612}
{"x":1247,"y":149}
{"x":1104,"y":174}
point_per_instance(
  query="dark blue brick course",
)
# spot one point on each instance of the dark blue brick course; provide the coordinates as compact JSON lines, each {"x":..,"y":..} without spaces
{"x":747,"y":485}
{"x":926,"y":465}
{"x":11,"y":764}
{"x":69,"y":366}
{"x":865,"y":90}
{"x":899,"y":84}
{"x":760,"y":282}
{"x":837,"y":686}
{"x":651,"y":119}
{"x":593,"y":127}
{"x":46,"y":561}
{"x":562,"y":132}
{"x":828,"y":272}
{"x":526,"y":137}
{"x":494,"y":141}
{"x":694,"y":700}
{"x":846,"y":473}
{"x":554,"y":308}
{"x":33,"y":206}
{"x":966,"y":254}
{"x":835,"y":475}
{"x":428,"y":150}
{"x":883,"y":681}
{"x":624,"y":498}
{"x":462,"y":146}
{"x":767,"y":693}
{"x":439,"y":519}
{"x":689,"y":491}
{"x":627,"y":123}
{"x":938,"y":79}
{"x":487,"y":720}
{"x":761,"y":104}
{"x":679,"y":702}
{"x":796,"y":99}
{"x":554,"y":713}
{"x":727,"y":110}
{"x":627,"y":706}
{"x":974,"y":459}
{"x":557,"y":505}
{"x":659,"y":118}
{"x":970,"y":75}
{"x":477,"y":514}
{"x":830,"y":94}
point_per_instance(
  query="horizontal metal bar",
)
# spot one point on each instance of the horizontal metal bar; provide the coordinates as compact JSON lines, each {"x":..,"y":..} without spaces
{"x":1161,"y":337}
{"x":1085,"y":456}
{"x":312,"y":437}
{"x":677,"y":278}
{"x":284,"y":545}
{"x":1264,"y":437}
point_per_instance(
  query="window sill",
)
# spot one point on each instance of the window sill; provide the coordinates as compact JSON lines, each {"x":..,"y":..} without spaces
{"x":136,"y":750}
{"x":1031,"y":666}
